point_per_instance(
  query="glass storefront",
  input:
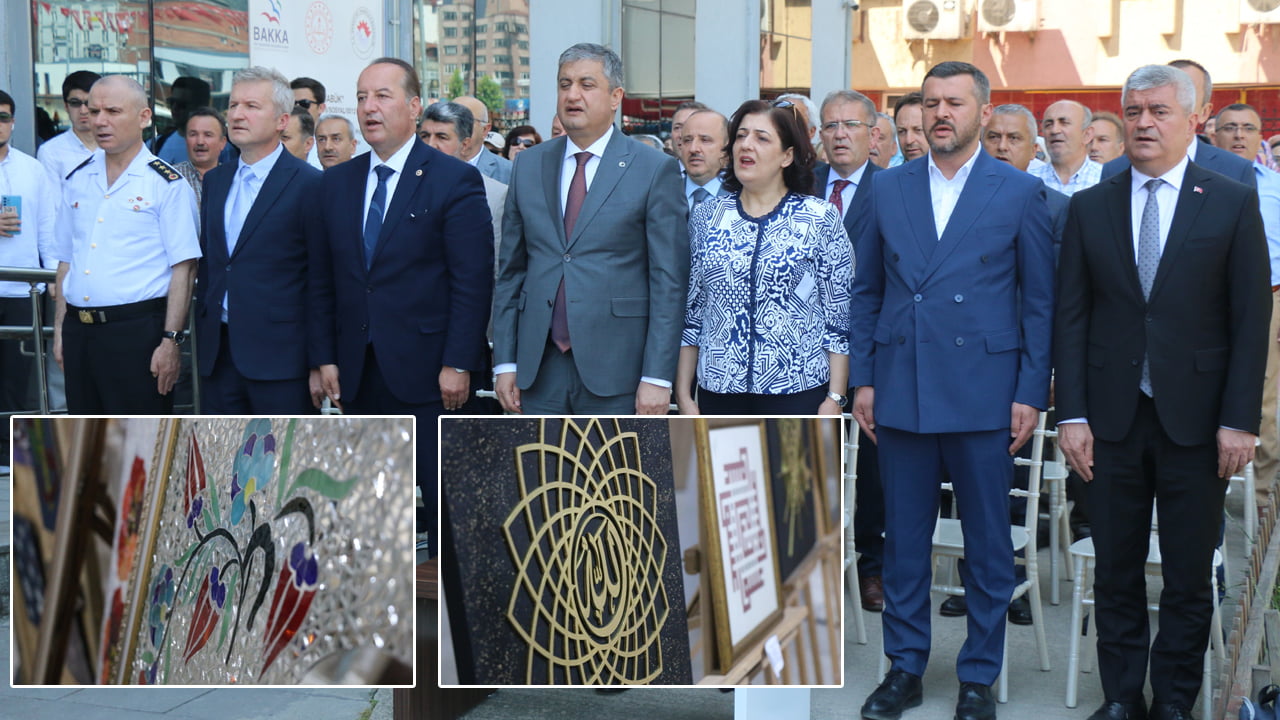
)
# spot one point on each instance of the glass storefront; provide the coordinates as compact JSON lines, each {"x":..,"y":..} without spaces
{"x":658,"y":55}
{"x":786,"y":46}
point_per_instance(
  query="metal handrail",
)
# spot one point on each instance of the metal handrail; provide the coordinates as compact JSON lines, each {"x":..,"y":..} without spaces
{"x":34,"y":277}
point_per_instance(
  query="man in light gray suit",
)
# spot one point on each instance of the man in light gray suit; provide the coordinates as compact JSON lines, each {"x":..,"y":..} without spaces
{"x":489,"y":164}
{"x":589,"y":301}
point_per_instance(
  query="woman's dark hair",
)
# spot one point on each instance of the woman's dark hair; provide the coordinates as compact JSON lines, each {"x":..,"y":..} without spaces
{"x":516,"y":132}
{"x":792,"y":133}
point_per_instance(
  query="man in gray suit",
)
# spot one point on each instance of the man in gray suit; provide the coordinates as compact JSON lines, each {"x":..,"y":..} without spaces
{"x":489,"y":164}
{"x":589,"y":301}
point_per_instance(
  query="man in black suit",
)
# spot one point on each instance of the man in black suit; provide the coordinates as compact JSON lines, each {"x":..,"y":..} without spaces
{"x":1201,"y":153}
{"x":251,"y":295}
{"x":1160,"y":348}
{"x":848,"y":131}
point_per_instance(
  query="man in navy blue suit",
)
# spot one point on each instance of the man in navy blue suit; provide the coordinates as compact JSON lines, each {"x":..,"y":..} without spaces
{"x":952,"y":318}
{"x":402,"y":272}
{"x":251,"y":296}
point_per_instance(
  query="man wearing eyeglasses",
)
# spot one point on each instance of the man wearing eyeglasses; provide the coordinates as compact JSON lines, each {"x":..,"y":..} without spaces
{"x":67,"y":150}
{"x":1239,"y":131}
{"x":28,"y":196}
{"x":309,"y":94}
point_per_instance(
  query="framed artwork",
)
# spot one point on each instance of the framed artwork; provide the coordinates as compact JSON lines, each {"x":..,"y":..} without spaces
{"x":270,"y":547}
{"x":793,"y":485}
{"x":739,"y":557}
{"x":561,"y":552}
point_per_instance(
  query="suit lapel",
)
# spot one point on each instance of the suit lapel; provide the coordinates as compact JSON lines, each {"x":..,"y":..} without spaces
{"x":613,"y":165}
{"x":279,"y":176}
{"x":915,"y":185}
{"x":413,"y":175}
{"x":1191,"y":200}
{"x":552,"y":163}
{"x":1119,"y":211}
{"x":860,"y":194}
{"x":978,"y":191}
{"x":217,"y":194}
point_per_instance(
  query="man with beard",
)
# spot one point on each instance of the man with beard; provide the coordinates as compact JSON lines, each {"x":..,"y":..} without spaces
{"x":908,"y":116}
{"x":952,"y":316}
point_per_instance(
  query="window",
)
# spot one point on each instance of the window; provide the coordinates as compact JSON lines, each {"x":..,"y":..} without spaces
{"x":502,"y":27}
{"x":524,"y":60}
{"x":450,"y":49}
{"x":480,"y":44}
{"x":523,"y":45}
{"x":482,"y":28}
{"x":522,"y":29}
{"x":786,"y":46}
{"x":658,"y":53}
{"x":502,"y":42}
{"x":450,"y":68}
{"x":450,"y":16}
{"x":451,"y":32}
{"x":481,"y":59}
{"x":501,"y":59}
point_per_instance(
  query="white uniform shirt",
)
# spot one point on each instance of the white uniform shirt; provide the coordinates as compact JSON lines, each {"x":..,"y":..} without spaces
{"x":24,"y":176}
{"x":63,"y":153}
{"x":122,"y":241}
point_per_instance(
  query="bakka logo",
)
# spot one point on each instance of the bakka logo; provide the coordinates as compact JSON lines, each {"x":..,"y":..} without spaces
{"x":274,"y":14}
{"x":268,"y":32}
{"x":364,"y":34}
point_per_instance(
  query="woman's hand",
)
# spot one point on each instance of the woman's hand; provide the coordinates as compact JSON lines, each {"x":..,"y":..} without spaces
{"x":828,"y":407}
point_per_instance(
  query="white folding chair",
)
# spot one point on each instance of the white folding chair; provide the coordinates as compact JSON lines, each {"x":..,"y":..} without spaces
{"x":1084,"y":560}
{"x":1246,"y":481}
{"x":1054,"y":478}
{"x":853,"y":587}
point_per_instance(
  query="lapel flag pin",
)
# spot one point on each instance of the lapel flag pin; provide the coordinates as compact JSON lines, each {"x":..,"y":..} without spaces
{"x":1198,"y":189}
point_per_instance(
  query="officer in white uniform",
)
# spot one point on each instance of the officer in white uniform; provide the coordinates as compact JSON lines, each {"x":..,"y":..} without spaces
{"x":127,"y":250}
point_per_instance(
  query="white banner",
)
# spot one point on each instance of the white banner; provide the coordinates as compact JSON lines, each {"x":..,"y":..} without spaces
{"x":329,"y":40}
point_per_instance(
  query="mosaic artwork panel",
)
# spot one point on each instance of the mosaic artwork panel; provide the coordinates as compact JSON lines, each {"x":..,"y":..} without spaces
{"x":793,"y":473}
{"x":280,"y":543}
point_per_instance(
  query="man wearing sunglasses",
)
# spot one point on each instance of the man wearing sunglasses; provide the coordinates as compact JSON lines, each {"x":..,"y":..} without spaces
{"x":67,"y":150}
{"x":309,"y":94}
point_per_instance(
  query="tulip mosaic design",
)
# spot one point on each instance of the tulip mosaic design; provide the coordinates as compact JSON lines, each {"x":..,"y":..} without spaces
{"x":228,"y":581}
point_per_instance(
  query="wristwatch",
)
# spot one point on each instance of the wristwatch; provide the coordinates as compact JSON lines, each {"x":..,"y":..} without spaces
{"x":177,"y":336}
{"x":837,"y":398}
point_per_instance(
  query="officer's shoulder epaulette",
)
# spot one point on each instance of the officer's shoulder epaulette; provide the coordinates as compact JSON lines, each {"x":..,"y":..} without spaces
{"x":77,"y":168}
{"x":164,"y":169}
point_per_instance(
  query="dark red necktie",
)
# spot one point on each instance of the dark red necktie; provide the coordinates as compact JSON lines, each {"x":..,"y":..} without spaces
{"x":572,"y":206}
{"x":837,"y":197}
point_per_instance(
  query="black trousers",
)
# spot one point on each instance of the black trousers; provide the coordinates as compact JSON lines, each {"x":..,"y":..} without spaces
{"x":108,"y":365}
{"x":224,"y":391}
{"x":802,"y":403}
{"x":16,"y":382}
{"x":1147,"y":467}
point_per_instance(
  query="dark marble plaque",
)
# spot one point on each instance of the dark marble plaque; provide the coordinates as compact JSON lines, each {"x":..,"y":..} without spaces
{"x":793,"y":472}
{"x":561,"y":552}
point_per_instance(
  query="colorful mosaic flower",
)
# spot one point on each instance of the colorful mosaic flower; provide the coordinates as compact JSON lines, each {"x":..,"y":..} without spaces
{"x":196,"y":479}
{"x":130,"y":519}
{"x":254,"y":465}
{"x":161,"y":601}
{"x":294,"y":591}
{"x":209,"y":606}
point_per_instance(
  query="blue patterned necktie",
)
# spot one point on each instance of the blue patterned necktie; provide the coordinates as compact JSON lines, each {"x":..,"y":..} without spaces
{"x":1148,"y":260}
{"x":373,"y":221}
{"x":699,"y":196}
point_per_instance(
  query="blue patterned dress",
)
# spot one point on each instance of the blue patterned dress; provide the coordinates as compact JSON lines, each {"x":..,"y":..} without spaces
{"x":768,"y":297}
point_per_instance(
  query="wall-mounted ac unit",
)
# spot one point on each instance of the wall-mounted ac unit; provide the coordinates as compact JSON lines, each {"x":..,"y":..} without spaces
{"x":1259,"y":12}
{"x":1009,"y":15}
{"x":934,"y":19}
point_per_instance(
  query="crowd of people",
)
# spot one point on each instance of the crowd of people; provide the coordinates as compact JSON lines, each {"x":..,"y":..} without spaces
{"x":929,"y":271}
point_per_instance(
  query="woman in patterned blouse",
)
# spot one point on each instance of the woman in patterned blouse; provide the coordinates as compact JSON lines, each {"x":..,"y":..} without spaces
{"x":767,"y":318}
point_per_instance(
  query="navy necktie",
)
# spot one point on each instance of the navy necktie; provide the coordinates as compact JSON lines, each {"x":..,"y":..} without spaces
{"x":373,"y":221}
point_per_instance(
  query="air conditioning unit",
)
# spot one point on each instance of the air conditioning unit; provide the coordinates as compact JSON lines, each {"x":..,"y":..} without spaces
{"x":1009,"y":15}
{"x":934,"y":20}
{"x":1254,"y":12}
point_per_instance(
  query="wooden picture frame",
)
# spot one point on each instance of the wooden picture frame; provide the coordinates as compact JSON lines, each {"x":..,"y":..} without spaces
{"x":830,"y":455}
{"x":746,"y":585}
{"x":793,"y":486}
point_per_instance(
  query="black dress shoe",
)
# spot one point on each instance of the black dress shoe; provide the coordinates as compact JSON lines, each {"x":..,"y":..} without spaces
{"x":975,"y":702}
{"x":1020,"y":611}
{"x":1169,"y":711}
{"x":954,"y":606}
{"x":900,"y":691}
{"x":1120,"y":711}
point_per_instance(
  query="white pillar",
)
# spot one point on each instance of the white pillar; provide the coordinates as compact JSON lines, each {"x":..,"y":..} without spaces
{"x":726,"y":53}
{"x":831,"y":28}
{"x":772,"y":703}
{"x":16,"y":70}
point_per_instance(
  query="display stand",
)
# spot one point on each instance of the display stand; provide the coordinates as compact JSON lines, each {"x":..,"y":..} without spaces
{"x":798,"y":591}
{"x":754,"y":660}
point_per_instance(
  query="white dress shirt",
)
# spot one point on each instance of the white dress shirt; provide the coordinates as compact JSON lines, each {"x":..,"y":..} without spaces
{"x":396,"y":163}
{"x":1166,"y":198}
{"x":945,"y":193}
{"x":846,"y":195}
{"x":62,"y":153}
{"x":32,"y":247}
{"x":570,"y":164}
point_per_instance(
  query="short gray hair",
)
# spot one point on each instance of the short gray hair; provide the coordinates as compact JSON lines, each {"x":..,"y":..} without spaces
{"x":893,"y":128}
{"x":456,"y":114}
{"x":1084,"y":111}
{"x":849,"y":96}
{"x":135,"y":90}
{"x":599,"y":53}
{"x":281,"y":93}
{"x":351,"y":127}
{"x":815,"y":120}
{"x":1150,"y":77}
{"x":1033,"y":128}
